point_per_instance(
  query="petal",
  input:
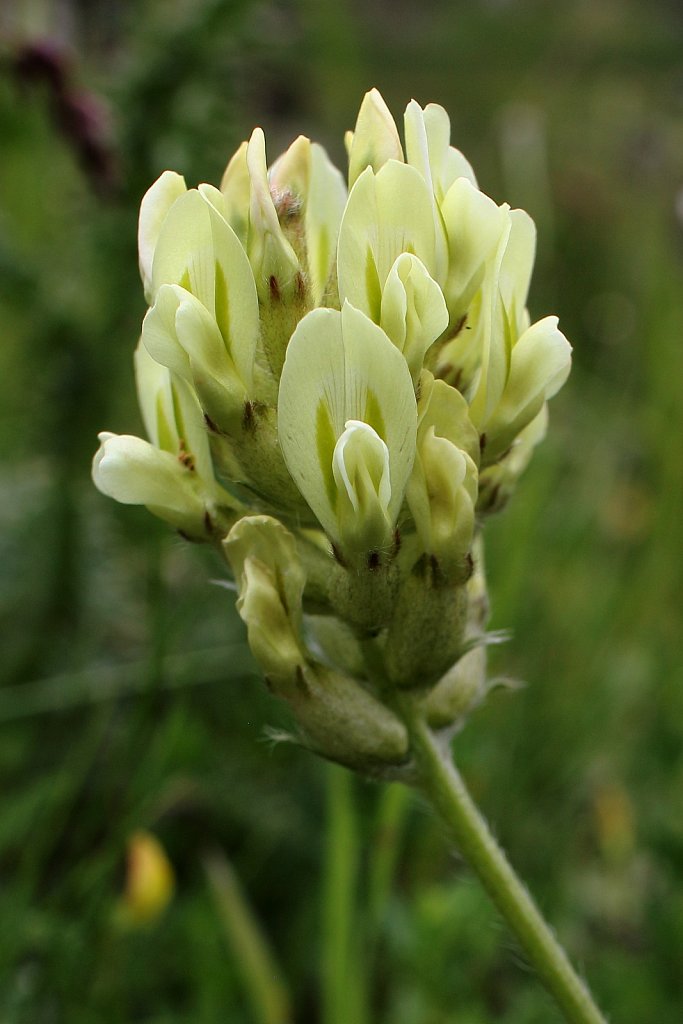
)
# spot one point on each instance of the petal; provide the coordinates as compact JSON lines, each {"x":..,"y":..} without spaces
{"x":236,"y":190}
{"x":498,"y":481}
{"x":291,"y":171}
{"x":267,"y":540}
{"x":428,"y":148}
{"x":386,"y":214}
{"x":540,"y":364}
{"x":492,"y":332}
{"x":360,"y":463}
{"x":413,"y":310}
{"x":152,"y":381}
{"x":375,"y":138}
{"x":180,"y":333}
{"x":172,"y":414}
{"x":134,"y":472}
{"x":154,"y":207}
{"x":361,"y":470}
{"x":341,"y":367}
{"x":474,"y":228}
{"x":517,"y":266}
{"x":420,"y":156}
{"x":444,"y":408}
{"x":198,"y":250}
{"x":324,"y":209}
{"x":159,"y":335}
{"x":270,"y":254}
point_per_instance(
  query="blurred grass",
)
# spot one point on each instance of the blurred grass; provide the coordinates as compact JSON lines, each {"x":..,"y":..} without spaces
{"x":573,"y":112}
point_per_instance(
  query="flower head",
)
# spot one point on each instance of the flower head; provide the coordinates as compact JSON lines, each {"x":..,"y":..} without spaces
{"x":338,"y":385}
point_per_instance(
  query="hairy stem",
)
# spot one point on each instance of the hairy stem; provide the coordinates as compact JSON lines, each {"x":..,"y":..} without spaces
{"x":442,"y":785}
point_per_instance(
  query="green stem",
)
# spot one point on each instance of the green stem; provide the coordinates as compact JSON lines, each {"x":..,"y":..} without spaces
{"x":392,"y":812}
{"x":341,"y":996}
{"x":441,"y":783}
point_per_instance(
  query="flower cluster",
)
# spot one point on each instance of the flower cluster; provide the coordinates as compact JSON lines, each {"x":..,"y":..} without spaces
{"x":338,"y":385}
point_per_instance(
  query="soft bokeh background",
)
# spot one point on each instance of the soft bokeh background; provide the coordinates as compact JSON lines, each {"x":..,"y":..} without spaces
{"x":129,"y":701}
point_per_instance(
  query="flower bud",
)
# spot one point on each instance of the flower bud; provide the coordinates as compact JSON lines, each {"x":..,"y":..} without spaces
{"x":375,"y":138}
{"x":339,"y":719}
{"x":442,"y":490}
{"x":310,"y":195}
{"x":270,"y":581}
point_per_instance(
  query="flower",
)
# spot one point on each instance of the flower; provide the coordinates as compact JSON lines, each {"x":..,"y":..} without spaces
{"x":338,"y":386}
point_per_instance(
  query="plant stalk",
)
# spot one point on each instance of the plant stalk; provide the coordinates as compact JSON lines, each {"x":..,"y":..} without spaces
{"x":342,"y":995}
{"x":443,"y":786}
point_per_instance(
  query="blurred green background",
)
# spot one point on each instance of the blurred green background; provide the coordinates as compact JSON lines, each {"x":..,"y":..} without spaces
{"x":129,"y":700}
